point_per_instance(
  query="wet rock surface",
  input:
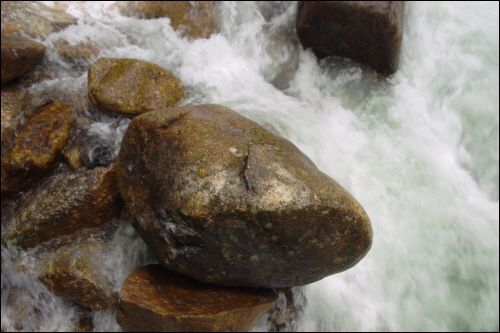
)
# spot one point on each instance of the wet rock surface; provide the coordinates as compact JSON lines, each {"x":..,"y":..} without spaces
{"x":32,"y":18}
{"x":74,"y":272}
{"x":67,"y":203}
{"x":217,"y":197}
{"x":132,"y":87}
{"x":156,"y":299}
{"x":194,"y":18}
{"x":37,"y":148}
{"x":19,"y":55}
{"x":368,"y":32}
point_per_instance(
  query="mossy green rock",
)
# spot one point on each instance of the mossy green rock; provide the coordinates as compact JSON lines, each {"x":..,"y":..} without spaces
{"x":217,"y":197}
{"x":132,"y":87}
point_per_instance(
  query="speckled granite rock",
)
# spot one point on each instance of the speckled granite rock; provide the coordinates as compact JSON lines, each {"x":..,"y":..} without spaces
{"x":37,"y":148}
{"x":69,"y":202}
{"x":132,"y":87}
{"x":155,"y":299}
{"x":217,"y":197}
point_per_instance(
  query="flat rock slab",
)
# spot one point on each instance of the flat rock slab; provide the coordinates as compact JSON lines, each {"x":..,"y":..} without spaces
{"x":132,"y":87}
{"x":19,"y":55}
{"x":368,"y":32}
{"x":37,"y":148}
{"x":155,"y":299}
{"x":217,"y":197}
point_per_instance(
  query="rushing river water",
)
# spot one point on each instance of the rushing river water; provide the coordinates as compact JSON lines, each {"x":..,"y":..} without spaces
{"x":419,"y":151}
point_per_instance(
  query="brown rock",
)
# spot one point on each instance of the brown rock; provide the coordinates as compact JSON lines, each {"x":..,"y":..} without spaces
{"x":69,"y":202}
{"x":32,"y":18}
{"x":156,"y":299}
{"x":18,"y":105}
{"x":368,"y":32}
{"x":194,"y":18}
{"x":74,"y":270}
{"x":37,"y":148}
{"x":217,"y":197}
{"x":72,"y":157}
{"x":19,"y":55}
{"x":84,"y":50}
{"x":132,"y":87}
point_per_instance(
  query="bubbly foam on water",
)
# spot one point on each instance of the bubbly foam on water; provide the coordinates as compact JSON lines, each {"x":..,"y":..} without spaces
{"x":419,"y":151}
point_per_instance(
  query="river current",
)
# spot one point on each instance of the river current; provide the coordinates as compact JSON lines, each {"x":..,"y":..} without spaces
{"x":419,"y":151}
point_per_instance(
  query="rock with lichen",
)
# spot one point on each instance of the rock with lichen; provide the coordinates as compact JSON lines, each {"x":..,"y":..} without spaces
{"x":217,"y":197}
{"x":69,"y":202}
{"x":132,"y":87}
{"x":37,"y":148}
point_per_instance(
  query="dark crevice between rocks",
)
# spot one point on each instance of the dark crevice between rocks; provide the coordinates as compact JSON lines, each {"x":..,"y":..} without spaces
{"x":244,"y":169}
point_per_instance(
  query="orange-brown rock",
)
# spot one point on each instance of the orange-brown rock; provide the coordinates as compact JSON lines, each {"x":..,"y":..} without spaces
{"x":218,"y":197}
{"x":18,"y":105}
{"x":32,"y":18}
{"x":132,"y":87}
{"x":37,"y":148}
{"x":194,"y":18}
{"x":69,"y":202}
{"x":75,"y":271}
{"x":155,"y":299}
{"x":72,"y":157}
{"x":19,"y":55}
{"x":368,"y":32}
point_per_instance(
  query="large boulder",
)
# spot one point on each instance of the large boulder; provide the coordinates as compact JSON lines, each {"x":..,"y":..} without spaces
{"x":38,"y":147}
{"x":368,"y":32}
{"x":193,"y":18}
{"x":69,"y":202}
{"x":33,"y":18}
{"x":132,"y":87}
{"x":19,"y":55}
{"x":154,"y":299}
{"x":217,"y":197}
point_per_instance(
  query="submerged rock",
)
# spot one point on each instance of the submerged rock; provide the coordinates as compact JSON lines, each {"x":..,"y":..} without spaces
{"x":19,"y":55}
{"x":217,"y":197}
{"x":32,"y":18}
{"x":37,"y":148}
{"x":132,"y":87}
{"x":69,"y":202}
{"x":368,"y":32}
{"x":194,"y":18}
{"x":155,"y":299}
